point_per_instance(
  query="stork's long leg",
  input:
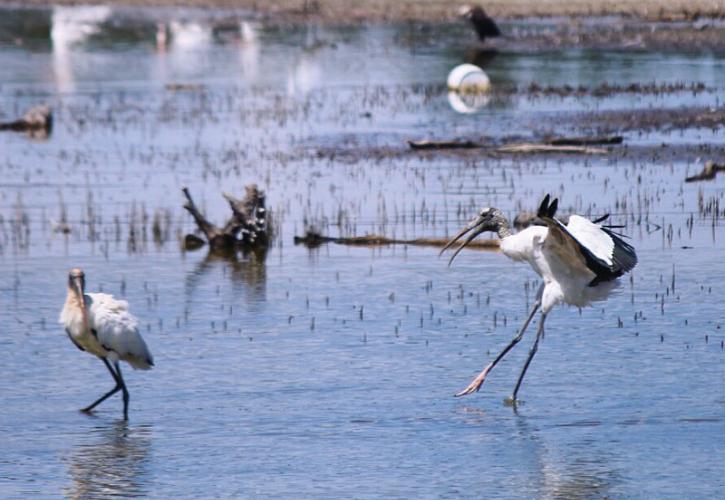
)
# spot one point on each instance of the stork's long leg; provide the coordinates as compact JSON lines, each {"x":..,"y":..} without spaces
{"x":478,"y":381}
{"x":532,"y":352}
{"x":123,"y":388}
{"x":119,"y":386}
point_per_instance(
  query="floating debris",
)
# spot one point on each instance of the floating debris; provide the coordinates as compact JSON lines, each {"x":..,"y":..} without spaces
{"x":453,"y":144}
{"x":548,"y":148}
{"x":37,"y":121}
{"x":709,"y":172}
{"x":181,"y":87}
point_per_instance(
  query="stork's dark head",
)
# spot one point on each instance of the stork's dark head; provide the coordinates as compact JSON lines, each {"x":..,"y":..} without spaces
{"x":488,"y":219}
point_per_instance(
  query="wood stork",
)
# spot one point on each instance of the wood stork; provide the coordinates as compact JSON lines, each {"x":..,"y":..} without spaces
{"x":578,"y":262}
{"x":101,"y":325}
{"x":485,"y":26}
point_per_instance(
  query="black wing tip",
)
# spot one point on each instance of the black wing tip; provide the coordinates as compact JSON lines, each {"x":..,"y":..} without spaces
{"x":624,"y":259}
{"x":543,"y":207}
{"x":553,"y":207}
{"x":546,"y":209}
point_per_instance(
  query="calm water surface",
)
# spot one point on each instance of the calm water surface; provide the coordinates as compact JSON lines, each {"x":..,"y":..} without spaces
{"x":330,"y":372}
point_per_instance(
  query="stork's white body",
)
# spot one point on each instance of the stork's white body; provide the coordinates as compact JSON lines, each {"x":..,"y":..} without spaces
{"x":112,"y":331}
{"x":101,"y":325}
{"x":566,"y":277}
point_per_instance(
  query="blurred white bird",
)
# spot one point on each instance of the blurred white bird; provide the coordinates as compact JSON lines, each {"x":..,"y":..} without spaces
{"x":101,"y":325}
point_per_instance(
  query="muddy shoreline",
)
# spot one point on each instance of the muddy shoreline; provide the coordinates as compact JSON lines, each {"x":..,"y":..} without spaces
{"x":347,"y":11}
{"x":680,"y":25}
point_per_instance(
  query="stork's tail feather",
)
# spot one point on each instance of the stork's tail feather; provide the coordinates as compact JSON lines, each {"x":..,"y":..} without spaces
{"x":547,"y":209}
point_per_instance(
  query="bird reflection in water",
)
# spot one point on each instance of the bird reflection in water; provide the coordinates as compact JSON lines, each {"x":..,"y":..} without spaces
{"x":570,"y":470}
{"x":114,"y":461}
{"x":481,"y":57}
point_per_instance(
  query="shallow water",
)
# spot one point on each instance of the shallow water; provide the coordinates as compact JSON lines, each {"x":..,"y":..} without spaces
{"x":330,"y":372}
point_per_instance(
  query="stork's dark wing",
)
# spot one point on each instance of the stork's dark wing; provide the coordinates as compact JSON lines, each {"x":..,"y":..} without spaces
{"x":564,"y":243}
{"x":624,"y":258}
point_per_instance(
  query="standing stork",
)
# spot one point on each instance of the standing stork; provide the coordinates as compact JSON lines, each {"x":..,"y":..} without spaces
{"x":578,"y":262}
{"x":101,"y":325}
{"x":485,"y":26}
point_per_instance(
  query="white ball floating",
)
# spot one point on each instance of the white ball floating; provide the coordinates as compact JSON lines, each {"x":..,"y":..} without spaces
{"x":468,"y":78}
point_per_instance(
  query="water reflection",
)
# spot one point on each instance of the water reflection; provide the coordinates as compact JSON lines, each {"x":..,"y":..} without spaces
{"x":246,"y":270}
{"x":567,"y":469}
{"x":249,"y":47}
{"x":466,"y":103}
{"x":305,"y":73}
{"x":71,"y":26}
{"x":481,"y":57}
{"x":113,"y":461}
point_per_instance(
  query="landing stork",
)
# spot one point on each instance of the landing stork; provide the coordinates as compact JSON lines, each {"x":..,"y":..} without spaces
{"x":579,"y":263}
{"x":101,"y":325}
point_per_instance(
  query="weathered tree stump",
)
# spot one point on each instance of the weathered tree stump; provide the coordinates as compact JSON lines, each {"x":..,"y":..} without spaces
{"x":247,"y":229}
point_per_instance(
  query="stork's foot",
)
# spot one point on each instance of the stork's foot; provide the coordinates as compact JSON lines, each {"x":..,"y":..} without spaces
{"x":512,"y":401}
{"x":477,"y":382}
{"x":87,"y":411}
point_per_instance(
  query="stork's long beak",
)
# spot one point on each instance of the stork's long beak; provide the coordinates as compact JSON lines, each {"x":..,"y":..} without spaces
{"x":477,"y":226}
{"x":78,"y":289}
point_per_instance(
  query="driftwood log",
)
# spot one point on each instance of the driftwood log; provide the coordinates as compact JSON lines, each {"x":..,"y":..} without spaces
{"x":37,"y":120}
{"x":313,"y":239}
{"x":586,"y":141}
{"x":551,"y":145}
{"x":452,"y":144}
{"x":548,"y":148}
{"x":248,"y":228}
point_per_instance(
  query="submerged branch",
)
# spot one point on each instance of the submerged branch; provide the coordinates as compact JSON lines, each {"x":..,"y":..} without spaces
{"x":554,"y":145}
{"x":313,"y":239}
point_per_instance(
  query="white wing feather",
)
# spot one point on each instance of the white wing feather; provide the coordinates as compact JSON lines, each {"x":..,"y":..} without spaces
{"x":591,"y":236}
{"x":117,"y":329}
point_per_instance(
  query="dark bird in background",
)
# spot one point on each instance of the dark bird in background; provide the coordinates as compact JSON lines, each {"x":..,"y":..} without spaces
{"x":485,"y":26}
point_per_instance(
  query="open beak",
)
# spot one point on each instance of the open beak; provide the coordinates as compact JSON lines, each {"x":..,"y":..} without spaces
{"x":476,"y":227}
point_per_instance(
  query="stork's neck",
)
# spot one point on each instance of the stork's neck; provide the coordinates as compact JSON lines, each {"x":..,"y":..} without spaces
{"x":72,"y":298}
{"x":73,"y":303}
{"x":503,"y":228}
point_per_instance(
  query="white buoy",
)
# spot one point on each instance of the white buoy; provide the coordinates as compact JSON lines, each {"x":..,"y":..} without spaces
{"x":468,"y":78}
